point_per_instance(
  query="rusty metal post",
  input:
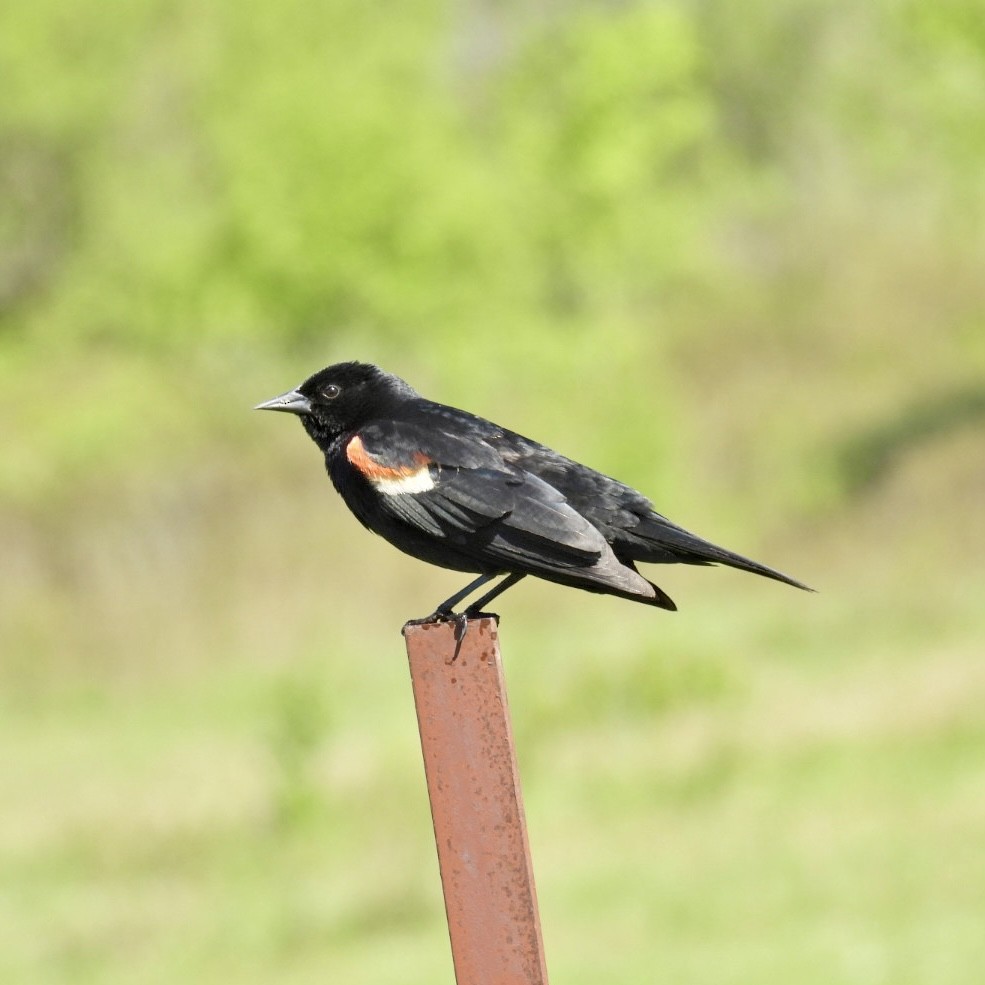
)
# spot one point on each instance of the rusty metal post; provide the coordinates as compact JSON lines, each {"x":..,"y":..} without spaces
{"x":474,"y":787}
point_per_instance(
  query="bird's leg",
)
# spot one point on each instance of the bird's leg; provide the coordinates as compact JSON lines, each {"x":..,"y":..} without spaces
{"x":445,"y":612}
{"x":446,"y":608}
{"x":475,"y":609}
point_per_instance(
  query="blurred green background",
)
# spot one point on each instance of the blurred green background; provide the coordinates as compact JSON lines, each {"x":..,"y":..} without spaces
{"x":731,"y":253}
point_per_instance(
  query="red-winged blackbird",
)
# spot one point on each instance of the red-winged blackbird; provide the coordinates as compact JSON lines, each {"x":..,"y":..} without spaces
{"x":463,"y":493}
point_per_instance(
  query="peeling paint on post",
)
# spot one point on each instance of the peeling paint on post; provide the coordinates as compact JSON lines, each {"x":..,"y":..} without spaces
{"x":474,"y":787}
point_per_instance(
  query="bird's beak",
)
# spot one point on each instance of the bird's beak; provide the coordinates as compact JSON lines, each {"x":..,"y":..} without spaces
{"x":293,"y":402}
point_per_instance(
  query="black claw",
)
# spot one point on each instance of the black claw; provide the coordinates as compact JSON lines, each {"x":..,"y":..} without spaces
{"x":432,"y":619}
{"x":461,"y":628}
{"x":435,"y":617}
{"x":472,"y":614}
{"x":460,"y":619}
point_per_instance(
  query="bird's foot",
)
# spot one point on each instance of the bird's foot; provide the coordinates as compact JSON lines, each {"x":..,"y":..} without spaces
{"x":460,"y":619}
{"x":473,"y":614}
{"x":437,"y":616}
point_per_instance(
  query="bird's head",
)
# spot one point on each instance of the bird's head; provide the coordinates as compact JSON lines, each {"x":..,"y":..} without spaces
{"x":340,"y":398}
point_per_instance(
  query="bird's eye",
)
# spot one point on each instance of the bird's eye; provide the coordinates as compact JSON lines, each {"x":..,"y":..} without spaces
{"x":331,"y":391}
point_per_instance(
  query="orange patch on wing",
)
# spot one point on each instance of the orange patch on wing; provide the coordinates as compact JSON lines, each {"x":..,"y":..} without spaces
{"x":361,"y":460}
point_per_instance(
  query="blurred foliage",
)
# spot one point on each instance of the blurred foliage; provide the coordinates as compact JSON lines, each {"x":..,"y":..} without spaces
{"x":730,"y":253}
{"x":871,"y":454}
{"x":590,"y":189}
{"x":299,"y":723}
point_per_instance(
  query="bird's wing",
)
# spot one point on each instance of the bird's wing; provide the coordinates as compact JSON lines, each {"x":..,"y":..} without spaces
{"x":459,"y":488}
{"x":608,"y":504}
{"x":625,"y":516}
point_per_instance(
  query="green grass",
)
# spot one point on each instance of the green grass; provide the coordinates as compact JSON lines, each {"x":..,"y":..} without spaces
{"x":767,"y":786}
{"x":820,"y":828}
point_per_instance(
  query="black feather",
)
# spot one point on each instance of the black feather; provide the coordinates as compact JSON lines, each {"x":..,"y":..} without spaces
{"x":491,"y":501}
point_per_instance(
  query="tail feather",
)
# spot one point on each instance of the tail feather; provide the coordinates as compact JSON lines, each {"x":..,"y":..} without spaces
{"x":661,"y":599}
{"x":661,"y":537}
{"x":658,"y":597}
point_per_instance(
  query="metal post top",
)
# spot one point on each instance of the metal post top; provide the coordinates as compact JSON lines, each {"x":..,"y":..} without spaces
{"x":441,"y":635}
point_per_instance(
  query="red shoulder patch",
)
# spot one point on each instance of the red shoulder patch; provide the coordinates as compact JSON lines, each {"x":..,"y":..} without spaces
{"x":362,"y":461}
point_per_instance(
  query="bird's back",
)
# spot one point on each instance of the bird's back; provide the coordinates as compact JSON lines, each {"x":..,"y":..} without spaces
{"x":622,"y":514}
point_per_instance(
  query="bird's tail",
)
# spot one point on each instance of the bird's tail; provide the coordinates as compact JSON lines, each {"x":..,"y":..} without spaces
{"x":665,"y":542}
{"x":648,"y":593}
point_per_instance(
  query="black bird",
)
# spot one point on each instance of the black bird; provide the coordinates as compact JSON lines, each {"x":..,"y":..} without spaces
{"x":463,"y":493}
